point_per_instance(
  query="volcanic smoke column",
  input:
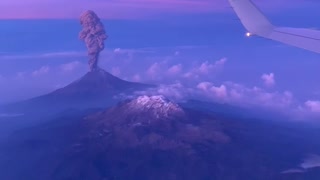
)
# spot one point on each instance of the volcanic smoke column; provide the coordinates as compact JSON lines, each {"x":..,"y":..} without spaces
{"x":94,"y":35}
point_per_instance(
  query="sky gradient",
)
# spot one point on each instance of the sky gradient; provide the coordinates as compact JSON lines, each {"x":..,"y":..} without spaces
{"x":193,"y":48}
{"x":129,"y":9}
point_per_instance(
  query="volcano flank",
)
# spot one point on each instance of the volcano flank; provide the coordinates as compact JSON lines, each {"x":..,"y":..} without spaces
{"x":96,"y":89}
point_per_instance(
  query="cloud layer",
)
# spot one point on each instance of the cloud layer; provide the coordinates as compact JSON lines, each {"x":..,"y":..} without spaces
{"x":179,"y":75}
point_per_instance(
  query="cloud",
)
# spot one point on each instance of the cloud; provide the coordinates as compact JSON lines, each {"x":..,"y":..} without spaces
{"x":219,"y":92}
{"x":148,"y":65}
{"x":181,"y":77}
{"x":268,"y":79}
{"x":204,"y":86}
{"x":153,"y":69}
{"x":136,"y":78}
{"x":69,"y":67}
{"x":196,"y":79}
{"x":175,"y":69}
{"x":176,"y":92}
{"x":40,"y":81}
{"x":116,"y":71}
{"x":160,"y":65}
{"x":166,"y":72}
{"x":43,"y":70}
{"x":62,"y":54}
{"x":206,"y":69}
{"x":235,"y":93}
{"x":117,"y":50}
{"x":309,"y":162}
{"x":132,"y":51}
{"x":313,"y":106}
{"x":281,"y":103}
{"x":290,"y":171}
{"x":228,"y":92}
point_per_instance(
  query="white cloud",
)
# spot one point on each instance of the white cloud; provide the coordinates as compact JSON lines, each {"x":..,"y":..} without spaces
{"x":313,"y":106}
{"x":204,"y":86}
{"x":116,"y":71}
{"x":154,"y":71}
{"x":268,"y":79}
{"x":132,"y":51}
{"x":43,"y":70}
{"x":62,"y":54}
{"x":175,"y":91}
{"x":206,"y":69}
{"x":229,"y":92}
{"x":153,"y":66}
{"x":175,"y":69}
{"x":220,"y":91}
{"x":289,"y":171}
{"x":221,"y":62}
{"x":117,"y":50}
{"x":136,"y":78}
{"x":242,"y":95}
{"x":311,"y":161}
{"x":69,"y":67}
{"x":170,"y":69}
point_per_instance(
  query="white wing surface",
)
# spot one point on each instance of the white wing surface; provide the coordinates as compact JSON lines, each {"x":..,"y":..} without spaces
{"x":257,"y":24}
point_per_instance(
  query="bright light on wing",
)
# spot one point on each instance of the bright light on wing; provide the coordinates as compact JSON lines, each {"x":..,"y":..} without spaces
{"x":255,"y":22}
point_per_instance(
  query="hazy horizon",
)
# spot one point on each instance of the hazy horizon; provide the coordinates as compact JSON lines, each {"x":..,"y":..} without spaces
{"x":208,"y":47}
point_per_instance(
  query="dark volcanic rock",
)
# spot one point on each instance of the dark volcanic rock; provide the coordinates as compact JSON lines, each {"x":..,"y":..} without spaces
{"x":154,"y":138}
{"x":153,"y":121}
{"x":143,"y":138}
{"x":95,"y":89}
{"x":96,"y":84}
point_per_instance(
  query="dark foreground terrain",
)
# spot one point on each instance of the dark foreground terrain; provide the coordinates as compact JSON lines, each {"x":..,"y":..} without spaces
{"x":153,"y":138}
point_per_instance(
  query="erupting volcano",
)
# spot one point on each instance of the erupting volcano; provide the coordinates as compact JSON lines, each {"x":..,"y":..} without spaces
{"x":94,"y":35}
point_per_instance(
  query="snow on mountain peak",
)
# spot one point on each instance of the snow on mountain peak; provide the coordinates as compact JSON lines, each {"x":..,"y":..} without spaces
{"x":156,"y":105}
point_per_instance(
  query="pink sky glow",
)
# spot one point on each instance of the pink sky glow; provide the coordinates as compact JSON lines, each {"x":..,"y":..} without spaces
{"x":120,"y":9}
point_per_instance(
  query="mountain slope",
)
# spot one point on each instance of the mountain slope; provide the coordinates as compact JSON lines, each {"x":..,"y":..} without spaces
{"x":94,"y":90}
{"x":150,"y":137}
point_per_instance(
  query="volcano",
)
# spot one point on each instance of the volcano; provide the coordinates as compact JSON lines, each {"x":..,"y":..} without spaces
{"x":96,"y":89}
{"x":151,"y":137}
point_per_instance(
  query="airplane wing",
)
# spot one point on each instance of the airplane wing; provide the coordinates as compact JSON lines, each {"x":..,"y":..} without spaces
{"x":257,"y":24}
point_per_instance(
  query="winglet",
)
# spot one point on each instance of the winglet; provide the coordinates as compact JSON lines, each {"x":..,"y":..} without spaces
{"x":251,"y":17}
{"x":257,"y":24}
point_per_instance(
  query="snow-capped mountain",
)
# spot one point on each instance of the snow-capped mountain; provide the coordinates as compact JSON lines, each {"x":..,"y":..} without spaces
{"x":158,"y":107}
{"x":151,"y":137}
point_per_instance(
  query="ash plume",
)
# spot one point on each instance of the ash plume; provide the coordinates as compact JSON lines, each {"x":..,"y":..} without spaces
{"x":94,"y":35}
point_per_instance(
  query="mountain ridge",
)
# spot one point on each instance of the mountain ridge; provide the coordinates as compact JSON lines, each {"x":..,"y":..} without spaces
{"x":130,"y":141}
{"x":93,"y":90}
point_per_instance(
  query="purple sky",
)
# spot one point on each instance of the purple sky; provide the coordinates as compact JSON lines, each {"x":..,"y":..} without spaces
{"x":126,"y":9}
{"x":193,"y":48}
